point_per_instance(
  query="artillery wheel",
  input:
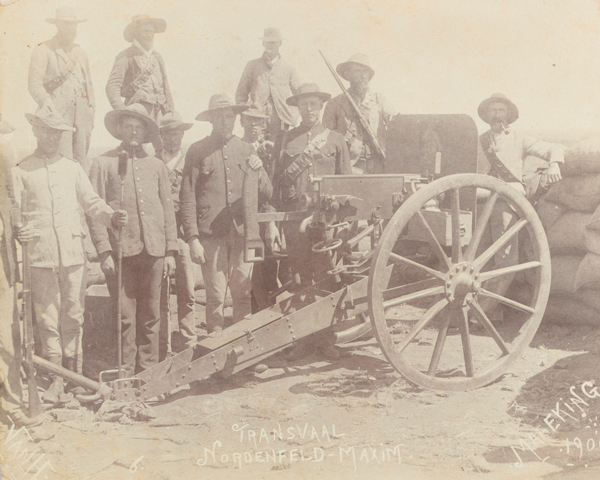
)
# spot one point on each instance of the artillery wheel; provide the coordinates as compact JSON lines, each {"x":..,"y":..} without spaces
{"x":449,"y":306}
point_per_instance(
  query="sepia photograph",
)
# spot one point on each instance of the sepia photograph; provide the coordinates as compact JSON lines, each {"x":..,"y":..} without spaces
{"x":296,"y":240}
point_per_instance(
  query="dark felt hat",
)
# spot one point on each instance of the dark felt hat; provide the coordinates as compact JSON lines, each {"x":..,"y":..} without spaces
{"x":173,"y":121}
{"x":308,"y":90}
{"x":112,"y":118}
{"x":47,"y":118}
{"x":159,"y":24}
{"x":219,"y":101}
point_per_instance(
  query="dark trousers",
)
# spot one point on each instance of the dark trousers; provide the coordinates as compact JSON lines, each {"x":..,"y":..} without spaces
{"x":140,"y":310}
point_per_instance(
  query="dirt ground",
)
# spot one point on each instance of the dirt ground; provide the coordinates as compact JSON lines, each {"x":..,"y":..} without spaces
{"x":351,"y":418}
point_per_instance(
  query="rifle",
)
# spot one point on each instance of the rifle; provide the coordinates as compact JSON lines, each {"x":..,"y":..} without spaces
{"x":35,"y":406}
{"x":363,"y":121}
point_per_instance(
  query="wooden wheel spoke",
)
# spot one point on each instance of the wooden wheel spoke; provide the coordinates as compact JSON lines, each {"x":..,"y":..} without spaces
{"x":482,"y":222}
{"x":395,"y":292}
{"x":431,"y":271}
{"x":423,"y":321}
{"x":506,"y":301}
{"x":489,"y":326}
{"x":439,"y":346}
{"x":498,"y":244}
{"x":463,"y":324}
{"x":507,"y":270}
{"x":455,"y":214}
{"x":439,"y":251}
{"x":413,"y":296}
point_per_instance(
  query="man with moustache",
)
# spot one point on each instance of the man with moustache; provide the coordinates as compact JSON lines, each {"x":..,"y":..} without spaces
{"x":340,"y":116}
{"x":139,"y":74}
{"x":212,"y":213}
{"x":60,"y":79}
{"x":266,"y":83}
{"x":172,"y":130}
{"x":506,"y":150}
{"x":130,"y":179}
{"x":56,"y":188}
{"x":309,"y":149}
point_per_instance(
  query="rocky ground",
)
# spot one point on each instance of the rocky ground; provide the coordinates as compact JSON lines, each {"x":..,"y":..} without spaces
{"x":351,"y":418}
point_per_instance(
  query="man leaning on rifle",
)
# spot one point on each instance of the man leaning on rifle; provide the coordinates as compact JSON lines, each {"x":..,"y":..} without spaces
{"x":506,"y":150}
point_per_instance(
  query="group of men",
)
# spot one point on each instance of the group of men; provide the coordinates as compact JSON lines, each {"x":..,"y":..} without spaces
{"x":151,"y":215}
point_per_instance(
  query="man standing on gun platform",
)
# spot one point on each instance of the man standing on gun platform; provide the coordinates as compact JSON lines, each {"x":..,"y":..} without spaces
{"x":139,"y":74}
{"x":506,"y":150}
{"x":130,"y":176}
{"x":60,"y":79}
{"x":172,"y":129}
{"x":309,"y":149}
{"x":341,"y":116}
{"x":267,"y":81}
{"x":10,"y":337}
{"x":55,"y":189}
{"x":212,"y":211}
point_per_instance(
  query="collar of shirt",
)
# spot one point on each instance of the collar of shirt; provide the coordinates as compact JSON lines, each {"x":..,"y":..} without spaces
{"x":270,"y":62}
{"x":172,"y":160}
{"x":497,"y":139}
{"x":316,"y":129}
{"x":146,"y":53}
{"x":52,"y":159}
{"x":139,"y":151}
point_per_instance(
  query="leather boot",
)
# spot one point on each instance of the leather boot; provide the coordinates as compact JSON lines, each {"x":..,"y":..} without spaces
{"x":53,"y":393}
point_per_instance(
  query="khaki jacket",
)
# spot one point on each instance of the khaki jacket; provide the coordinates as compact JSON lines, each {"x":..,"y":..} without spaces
{"x":56,"y":188}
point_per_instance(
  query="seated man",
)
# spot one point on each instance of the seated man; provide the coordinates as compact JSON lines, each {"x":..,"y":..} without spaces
{"x":506,"y":150}
{"x":309,"y":149}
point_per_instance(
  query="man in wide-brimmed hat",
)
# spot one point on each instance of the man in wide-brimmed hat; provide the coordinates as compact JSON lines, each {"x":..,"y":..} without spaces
{"x":309,"y":149}
{"x":172,"y":130}
{"x":60,"y":79}
{"x":506,"y":150}
{"x":139,"y":74}
{"x":267,"y":81}
{"x":340,"y":116}
{"x":149,"y":241}
{"x":56,"y":187}
{"x":211,"y":209}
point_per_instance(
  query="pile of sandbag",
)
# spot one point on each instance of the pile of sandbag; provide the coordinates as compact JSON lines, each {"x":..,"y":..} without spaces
{"x":570,"y":213}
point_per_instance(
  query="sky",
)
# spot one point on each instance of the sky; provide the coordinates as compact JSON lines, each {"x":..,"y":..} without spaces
{"x":430,"y":56}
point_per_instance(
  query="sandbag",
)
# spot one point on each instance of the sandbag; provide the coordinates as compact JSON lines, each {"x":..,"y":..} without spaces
{"x":577,"y":193}
{"x":564,"y":272}
{"x":582,"y":158}
{"x":588,"y":273}
{"x":549,"y":212}
{"x":591,"y":297}
{"x":594,"y":223}
{"x":568,"y":309}
{"x":569,"y":232}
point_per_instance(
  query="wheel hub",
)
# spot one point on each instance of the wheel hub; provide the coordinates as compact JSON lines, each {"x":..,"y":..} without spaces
{"x":461,"y":283}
